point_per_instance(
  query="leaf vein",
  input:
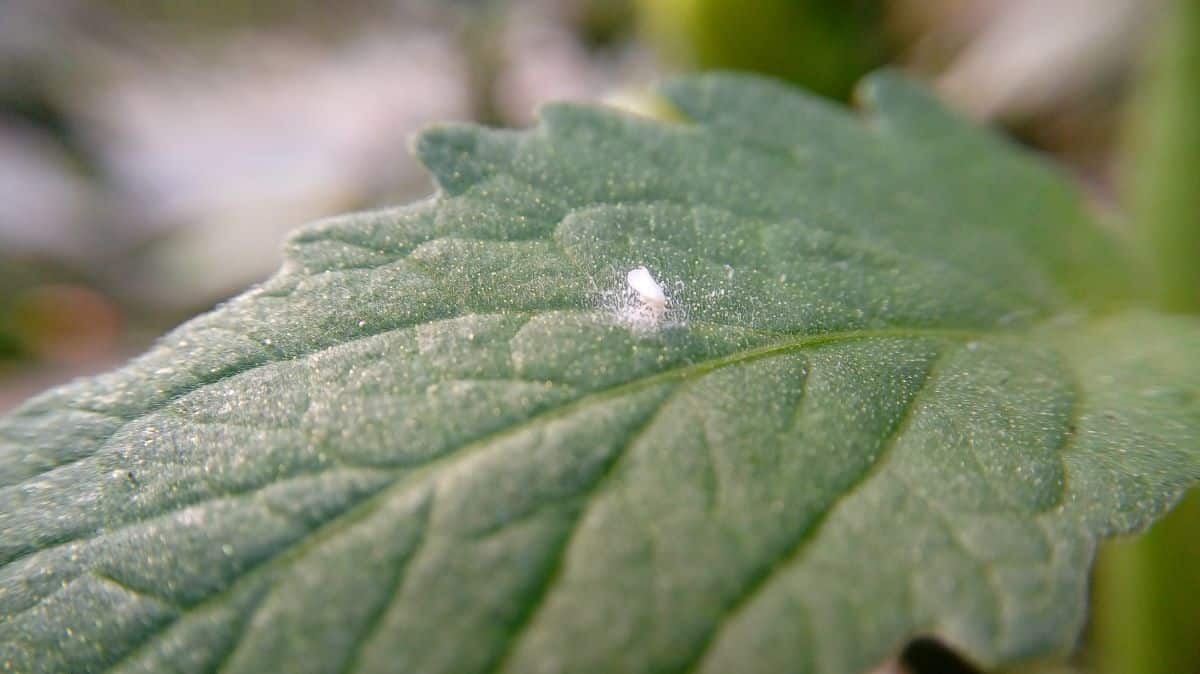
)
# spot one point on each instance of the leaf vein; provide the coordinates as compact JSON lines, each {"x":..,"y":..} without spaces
{"x":794,"y":552}
{"x":541,"y":593}
{"x":392,"y":591}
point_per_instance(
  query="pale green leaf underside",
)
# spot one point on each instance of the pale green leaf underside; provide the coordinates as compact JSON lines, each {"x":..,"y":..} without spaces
{"x":903,"y":401}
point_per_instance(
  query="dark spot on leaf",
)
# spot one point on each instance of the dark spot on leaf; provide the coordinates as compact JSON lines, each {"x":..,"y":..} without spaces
{"x":930,"y":656}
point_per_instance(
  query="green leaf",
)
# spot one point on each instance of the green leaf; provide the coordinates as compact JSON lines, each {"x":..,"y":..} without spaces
{"x":898,"y":390}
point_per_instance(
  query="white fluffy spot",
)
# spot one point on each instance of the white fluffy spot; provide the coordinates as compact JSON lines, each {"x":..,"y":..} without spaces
{"x":640,"y":302}
{"x":642,"y":282}
{"x":637,"y":300}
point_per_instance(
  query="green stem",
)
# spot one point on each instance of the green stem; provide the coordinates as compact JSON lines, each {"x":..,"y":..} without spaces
{"x":1147,"y":593}
{"x":1166,"y":178}
{"x":1147,"y":614}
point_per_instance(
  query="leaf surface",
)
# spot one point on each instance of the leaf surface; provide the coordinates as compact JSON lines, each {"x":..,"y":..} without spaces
{"x":899,"y":390}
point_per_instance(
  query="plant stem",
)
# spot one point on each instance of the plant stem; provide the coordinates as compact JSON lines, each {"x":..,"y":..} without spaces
{"x":1147,"y":593}
{"x":1166,"y":168}
{"x":1147,"y":609}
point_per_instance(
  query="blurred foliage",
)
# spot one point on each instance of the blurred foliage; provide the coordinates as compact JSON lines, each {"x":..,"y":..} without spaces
{"x":600,"y":23}
{"x":222,"y":15}
{"x":822,"y":45}
{"x":14,"y":279}
{"x":52,"y":314}
{"x":10,"y":346}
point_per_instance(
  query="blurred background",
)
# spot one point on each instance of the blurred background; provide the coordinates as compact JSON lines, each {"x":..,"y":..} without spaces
{"x":154,"y":154}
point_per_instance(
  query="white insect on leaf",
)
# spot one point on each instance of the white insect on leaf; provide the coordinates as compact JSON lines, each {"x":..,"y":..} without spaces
{"x":640,"y":302}
{"x":642,"y":282}
{"x":649,"y":302}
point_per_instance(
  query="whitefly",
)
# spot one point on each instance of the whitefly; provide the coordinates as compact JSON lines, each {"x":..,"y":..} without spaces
{"x":648,"y":292}
{"x":643,"y":303}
